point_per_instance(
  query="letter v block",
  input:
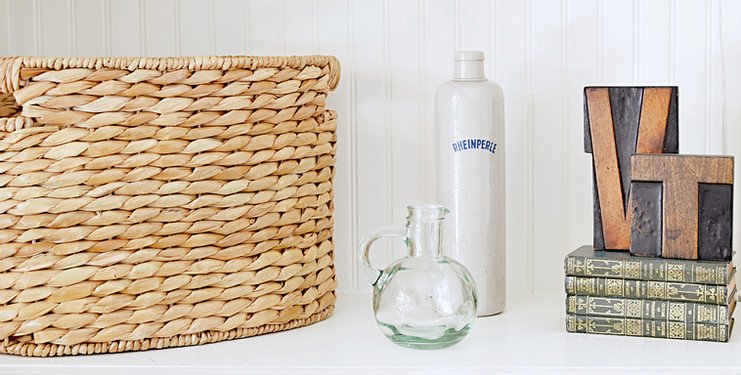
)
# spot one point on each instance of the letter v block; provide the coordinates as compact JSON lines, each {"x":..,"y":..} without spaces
{"x":618,"y":122}
{"x":682,"y":206}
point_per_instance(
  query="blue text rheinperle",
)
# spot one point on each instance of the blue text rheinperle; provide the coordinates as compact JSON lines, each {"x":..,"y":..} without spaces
{"x":469,"y":144}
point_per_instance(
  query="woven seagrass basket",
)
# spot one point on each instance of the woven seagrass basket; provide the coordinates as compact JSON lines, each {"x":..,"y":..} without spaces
{"x":161,"y":202}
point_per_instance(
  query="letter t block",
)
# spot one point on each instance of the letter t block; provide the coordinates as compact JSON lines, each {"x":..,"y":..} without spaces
{"x":682,"y":206}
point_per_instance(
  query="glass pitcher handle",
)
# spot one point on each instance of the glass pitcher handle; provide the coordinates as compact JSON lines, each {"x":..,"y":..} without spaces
{"x":373,"y":274}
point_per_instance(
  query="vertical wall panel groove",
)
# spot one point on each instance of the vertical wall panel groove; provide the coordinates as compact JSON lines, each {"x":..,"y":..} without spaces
{"x":715,"y":79}
{"x":88,"y":31}
{"x":228,"y":35}
{"x":691,"y":74}
{"x":107,"y":26}
{"x":354,"y":145}
{"x":5,"y":29}
{"x":142,"y":28}
{"x":425,"y":88}
{"x":315,"y":26}
{"x":492,"y":41}
{"x":457,"y":24}
{"x":422,"y":84}
{"x":394,"y":53}
{"x":717,"y":95}
{"x":211,"y":28}
{"x":22,"y":34}
{"x":299,"y":28}
{"x":708,"y":75}
{"x":566,"y":136}
{"x":178,"y":29}
{"x":247,"y":35}
{"x":37,"y":47}
{"x":474,"y":30}
{"x":54,"y":27}
{"x":266,"y":27}
{"x":392,"y":252}
{"x":162,"y":33}
{"x":722,"y":79}
{"x":529,"y":260}
{"x":673,"y":43}
{"x":125,"y":28}
{"x":282,"y":27}
{"x":600,"y":41}
{"x":619,"y":43}
{"x":195,"y":30}
{"x":72,"y":20}
{"x":636,"y":39}
{"x":654,"y":42}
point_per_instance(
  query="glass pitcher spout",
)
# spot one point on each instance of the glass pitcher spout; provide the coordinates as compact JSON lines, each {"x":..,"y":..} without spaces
{"x":424,"y":230}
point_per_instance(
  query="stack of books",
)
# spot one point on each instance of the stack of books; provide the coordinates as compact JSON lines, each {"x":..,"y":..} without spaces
{"x":615,"y":293}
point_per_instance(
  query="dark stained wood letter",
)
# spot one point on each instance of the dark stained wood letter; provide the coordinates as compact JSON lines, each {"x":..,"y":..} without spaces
{"x":618,"y":122}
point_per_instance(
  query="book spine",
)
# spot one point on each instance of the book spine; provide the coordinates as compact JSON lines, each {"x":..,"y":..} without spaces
{"x":647,"y":328}
{"x":686,"y":312}
{"x":659,"y":290}
{"x":657,"y":269}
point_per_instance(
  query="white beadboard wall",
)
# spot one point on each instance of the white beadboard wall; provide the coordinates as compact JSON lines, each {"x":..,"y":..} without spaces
{"x":395,"y":52}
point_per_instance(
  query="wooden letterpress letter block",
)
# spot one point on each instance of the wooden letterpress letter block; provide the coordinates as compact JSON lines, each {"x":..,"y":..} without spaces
{"x":618,"y":122}
{"x":696,"y":200}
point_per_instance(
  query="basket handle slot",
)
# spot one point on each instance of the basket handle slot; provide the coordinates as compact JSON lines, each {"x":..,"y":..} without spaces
{"x":8,"y":106}
{"x":11,"y":112}
{"x":11,"y":118}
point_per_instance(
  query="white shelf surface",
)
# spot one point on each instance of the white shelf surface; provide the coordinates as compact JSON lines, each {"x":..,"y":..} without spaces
{"x":529,"y":337}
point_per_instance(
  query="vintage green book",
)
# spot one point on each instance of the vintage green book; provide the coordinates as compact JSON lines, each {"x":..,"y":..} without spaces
{"x":687,"y":312}
{"x":659,"y":290}
{"x":585,"y":261}
{"x":648,"y":328}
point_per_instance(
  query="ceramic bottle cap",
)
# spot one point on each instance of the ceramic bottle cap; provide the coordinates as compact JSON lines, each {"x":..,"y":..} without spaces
{"x":468,"y":56}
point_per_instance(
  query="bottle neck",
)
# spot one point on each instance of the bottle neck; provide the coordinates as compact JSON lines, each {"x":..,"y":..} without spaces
{"x":425,"y":238}
{"x":468,"y":70}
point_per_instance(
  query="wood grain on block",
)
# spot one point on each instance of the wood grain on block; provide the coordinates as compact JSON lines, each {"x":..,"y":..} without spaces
{"x":715,"y":226}
{"x":621,"y":121}
{"x":625,"y":103}
{"x":616,"y":232}
{"x":645,"y":229}
{"x":654,"y":116}
{"x":681,"y":176}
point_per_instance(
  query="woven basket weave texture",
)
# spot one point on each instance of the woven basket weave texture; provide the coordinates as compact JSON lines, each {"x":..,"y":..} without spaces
{"x":159,"y":202}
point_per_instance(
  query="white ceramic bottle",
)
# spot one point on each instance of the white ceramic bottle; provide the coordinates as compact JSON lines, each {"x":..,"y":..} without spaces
{"x":469,"y":124}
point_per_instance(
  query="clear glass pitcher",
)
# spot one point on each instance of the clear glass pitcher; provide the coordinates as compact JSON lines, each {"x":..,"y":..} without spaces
{"x":425,"y":300}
